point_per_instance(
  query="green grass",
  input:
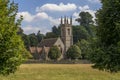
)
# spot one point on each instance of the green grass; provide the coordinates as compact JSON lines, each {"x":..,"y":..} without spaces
{"x":60,"y":72}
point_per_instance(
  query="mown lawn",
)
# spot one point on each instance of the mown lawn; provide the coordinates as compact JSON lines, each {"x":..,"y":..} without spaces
{"x":59,"y":72}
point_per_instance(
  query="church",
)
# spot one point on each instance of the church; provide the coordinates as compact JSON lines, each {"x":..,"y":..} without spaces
{"x":63,"y":42}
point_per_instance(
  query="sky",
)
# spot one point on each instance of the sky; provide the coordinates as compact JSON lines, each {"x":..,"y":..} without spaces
{"x":44,"y":14}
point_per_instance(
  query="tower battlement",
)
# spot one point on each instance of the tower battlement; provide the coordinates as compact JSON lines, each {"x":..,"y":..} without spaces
{"x":66,"y":20}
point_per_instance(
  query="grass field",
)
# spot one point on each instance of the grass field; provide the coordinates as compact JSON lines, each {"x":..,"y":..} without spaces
{"x":59,"y":72}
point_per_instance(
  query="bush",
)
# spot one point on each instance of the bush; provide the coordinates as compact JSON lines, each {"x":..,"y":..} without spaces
{"x":73,"y":52}
{"x":54,"y":53}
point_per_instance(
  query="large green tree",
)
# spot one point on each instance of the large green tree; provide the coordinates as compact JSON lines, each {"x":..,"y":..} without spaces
{"x":106,"y":53}
{"x":79,"y":32}
{"x":12,"y":51}
{"x":85,"y":20}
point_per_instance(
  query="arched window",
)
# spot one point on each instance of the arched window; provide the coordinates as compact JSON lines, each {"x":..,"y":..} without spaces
{"x":68,"y":31}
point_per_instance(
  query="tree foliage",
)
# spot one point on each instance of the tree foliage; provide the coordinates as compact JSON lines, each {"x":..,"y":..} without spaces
{"x":33,"y":39}
{"x":54,"y":34}
{"x":106,"y":52}
{"x":24,"y":37}
{"x":85,"y":20}
{"x":39,"y":36}
{"x":56,"y":30}
{"x":79,"y":32}
{"x":84,"y":46}
{"x":12,"y":51}
{"x":50,"y":35}
{"x":73,"y":52}
{"x":54,"y":53}
{"x":26,"y":41}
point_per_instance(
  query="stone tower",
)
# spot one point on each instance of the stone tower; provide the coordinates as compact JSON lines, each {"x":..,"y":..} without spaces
{"x":66,"y":32}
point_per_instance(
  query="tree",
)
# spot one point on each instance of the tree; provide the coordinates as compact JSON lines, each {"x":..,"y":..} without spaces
{"x":79,"y":32}
{"x":106,"y":52}
{"x":85,"y":20}
{"x":73,"y":52}
{"x":12,"y":50}
{"x":33,"y":39}
{"x":84,"y":46}
{"x":56,"y":30}
{"x":54,"y":53}
{"x":50,"y":35}
{"x":26,"y":40}
{"x":24,"y":37}
{"x":39,"y":36}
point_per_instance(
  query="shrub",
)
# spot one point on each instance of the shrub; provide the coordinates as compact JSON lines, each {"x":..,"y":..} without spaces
{"x":54,"y":53}
{"x":73,"y":52}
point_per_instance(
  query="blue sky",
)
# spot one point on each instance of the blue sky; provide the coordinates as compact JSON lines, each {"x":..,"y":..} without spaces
{"x":43,"y":14}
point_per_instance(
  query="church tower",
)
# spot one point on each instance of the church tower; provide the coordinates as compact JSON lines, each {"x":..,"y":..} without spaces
{"x":66,"y":32}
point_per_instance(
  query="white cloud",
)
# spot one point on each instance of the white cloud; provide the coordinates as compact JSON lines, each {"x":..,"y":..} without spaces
{"x":55,"y":7}
{"x":42,"y":15}
{"x":26,"y":15}
{"x":39,"y":16}
{"x":83,"y":8}
{"x":54,"y":21}
{"x":31,"y":29}
{"x":40,"y":21}
{"x":94,"y":1}
{"x":75,"y":14}
{"x":29,"y":17}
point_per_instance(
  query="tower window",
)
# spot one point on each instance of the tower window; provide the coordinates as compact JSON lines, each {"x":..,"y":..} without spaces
{"x":68,"y":31}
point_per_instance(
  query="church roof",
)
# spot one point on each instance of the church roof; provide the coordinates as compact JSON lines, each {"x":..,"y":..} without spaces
{"x":35,"y":49}
{"x":47,"y":42}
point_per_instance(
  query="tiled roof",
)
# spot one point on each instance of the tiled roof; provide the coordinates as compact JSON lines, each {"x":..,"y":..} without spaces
{"x":47,"y":42}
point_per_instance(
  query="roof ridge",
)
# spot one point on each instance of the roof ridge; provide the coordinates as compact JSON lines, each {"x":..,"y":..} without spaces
{"x":48,"y":39}
{"x":48,"y":42}
{"x":51,"y":38}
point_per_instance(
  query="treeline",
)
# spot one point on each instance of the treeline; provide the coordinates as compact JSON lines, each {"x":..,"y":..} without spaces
{"x":31,"y":39}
